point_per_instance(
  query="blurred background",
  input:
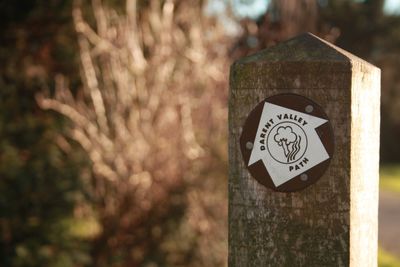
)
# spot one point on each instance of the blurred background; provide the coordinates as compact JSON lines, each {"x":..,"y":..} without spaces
{"x":113,"y":122}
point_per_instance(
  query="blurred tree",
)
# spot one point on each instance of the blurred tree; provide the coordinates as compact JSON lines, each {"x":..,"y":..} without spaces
{"x":39,"y":182}
{"x":152,"y":118}
{"x":284,"y":19}
{"x":365,"y":30}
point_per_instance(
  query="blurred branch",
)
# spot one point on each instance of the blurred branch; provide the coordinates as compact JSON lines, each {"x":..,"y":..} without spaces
{"x":149,"y":111}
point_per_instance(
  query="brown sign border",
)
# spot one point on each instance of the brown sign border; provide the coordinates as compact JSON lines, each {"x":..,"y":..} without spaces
{"x":325,"y":133}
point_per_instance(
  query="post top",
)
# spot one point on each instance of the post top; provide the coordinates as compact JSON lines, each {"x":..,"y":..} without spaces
{"x":305,"y":47}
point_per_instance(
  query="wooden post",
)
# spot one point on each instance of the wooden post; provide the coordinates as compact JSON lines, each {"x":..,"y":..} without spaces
{"x":334,"y":221}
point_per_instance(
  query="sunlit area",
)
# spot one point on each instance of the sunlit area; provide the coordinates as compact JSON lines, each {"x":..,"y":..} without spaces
{"x":114,"y":125}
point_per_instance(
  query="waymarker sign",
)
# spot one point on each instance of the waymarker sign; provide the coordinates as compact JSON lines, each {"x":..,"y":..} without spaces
{"x":287,"y":142}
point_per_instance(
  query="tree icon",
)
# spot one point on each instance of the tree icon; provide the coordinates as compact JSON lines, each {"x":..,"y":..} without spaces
{"x":289,"y":141}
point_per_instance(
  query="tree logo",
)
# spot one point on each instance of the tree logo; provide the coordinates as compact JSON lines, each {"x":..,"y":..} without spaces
{"x":289,"y":141}
{"x":286,"y":142}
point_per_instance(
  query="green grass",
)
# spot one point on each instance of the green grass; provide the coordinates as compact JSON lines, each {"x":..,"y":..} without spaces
{"x":390,"y":178}
{"x":83,"y":228}
{"x":386,"y":259}
{"x":389,"y":181}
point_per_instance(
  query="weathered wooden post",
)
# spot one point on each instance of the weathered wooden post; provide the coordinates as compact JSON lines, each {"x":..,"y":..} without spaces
{"x":327,"y":212}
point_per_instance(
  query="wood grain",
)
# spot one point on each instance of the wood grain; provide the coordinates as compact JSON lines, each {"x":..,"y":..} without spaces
{"x":334,"y":221}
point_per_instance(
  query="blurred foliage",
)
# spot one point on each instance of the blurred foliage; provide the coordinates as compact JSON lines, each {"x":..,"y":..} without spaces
{"x":39,"y":183}
{"x":365,"y":30}
{"x":385,"y":259}
{"x":149,"y":76}
{"x":390,"y":177}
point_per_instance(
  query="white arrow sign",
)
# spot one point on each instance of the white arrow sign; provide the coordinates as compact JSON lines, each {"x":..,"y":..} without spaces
{"x":287,"y":143}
